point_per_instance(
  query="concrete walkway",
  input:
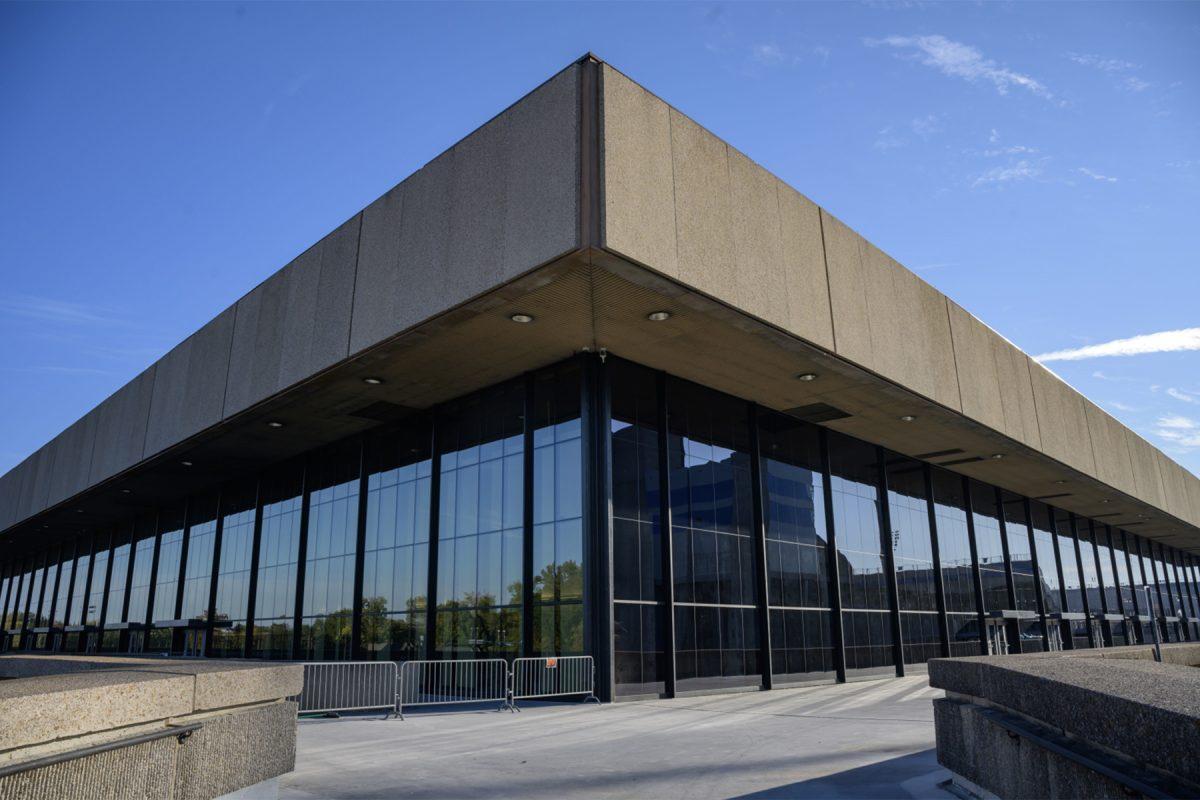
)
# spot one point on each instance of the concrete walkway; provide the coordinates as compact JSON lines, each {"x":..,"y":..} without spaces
{"x":856,"y":740}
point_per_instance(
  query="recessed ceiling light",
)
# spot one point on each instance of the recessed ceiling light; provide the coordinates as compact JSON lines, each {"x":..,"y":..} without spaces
{"x":1060,"y":482}
{"x":1106,"y":500}
{"x":186,"y":463}
{"x":907,"y":418}
{"x":126,"y":491}
{"x":806,"y":376}
{"x":274,"y":424}
{"x":372,"y":381}
{"x":658,"y":316}
{"x":522,"y":318}
{"x":997,"y":455}
{"x":79,"y":511}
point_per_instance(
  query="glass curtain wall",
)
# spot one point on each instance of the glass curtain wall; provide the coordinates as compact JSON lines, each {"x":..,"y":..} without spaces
{"x":79,"y":593}
{"x":558,"y":566}
{"x":171,"y":525}
{"x":1020,"y":553}
{"x":797,"y":538}
{"x":234,"y":562}
{"x":912,"y":548}
{"x":327,"y":610}
{"x":396,"y":547}
{"x":1125,"y":586}
{"x":114,"y":606}
{"x":140,"y":585}
{"x":954,"y":546}
{"x":639,"y":591}
{"x":1075,"y":631}
{"x":480,"y":540}
{"x":278,"y":555}
{"x":989,"y":547}
{"x":62,"y":599}
{"x":716,"y":623}
{"x":866,"y":623}
{"x":1117,"y":634}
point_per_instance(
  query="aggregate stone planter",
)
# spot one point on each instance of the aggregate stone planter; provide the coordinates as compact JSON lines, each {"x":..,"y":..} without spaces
{"x":1095,"y":723}
{"x":91,"y":727}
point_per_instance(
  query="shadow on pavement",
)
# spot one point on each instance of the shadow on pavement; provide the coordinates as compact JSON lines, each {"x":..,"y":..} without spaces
{"x":912,"y":776}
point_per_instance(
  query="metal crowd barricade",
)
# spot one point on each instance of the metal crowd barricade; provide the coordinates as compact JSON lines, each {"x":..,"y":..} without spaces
{"x":560,"y":676}
{"x":475,"y":680}
{"x":331,"y":686}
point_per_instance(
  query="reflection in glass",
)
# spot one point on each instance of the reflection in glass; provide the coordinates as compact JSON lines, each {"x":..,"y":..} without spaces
{"x":954,"y":547}
{"x":480,"y":531}
{"x":233,"y":571}
{"x":143,"y":563}
{"x":912,"y":551}
{"x":396,"y":553}
{"x":197,"y":571}
{"x":797,"y":548}
{"x":327,"y":616}
{"x":278,"y":553}
{"x":557,"y":513}
{"x":716,"y":620}
{"x":854,"y":479}
{"x":639,"y":593}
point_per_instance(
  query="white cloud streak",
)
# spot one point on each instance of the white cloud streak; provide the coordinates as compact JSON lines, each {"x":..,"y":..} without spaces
{"x":1179,"y":394}
{"x":1102,"y":64}
{"x":959,"y":60}
{"x":1020,"y":171}
{"x":1096,"y":176}
{"x":1163,"y":342}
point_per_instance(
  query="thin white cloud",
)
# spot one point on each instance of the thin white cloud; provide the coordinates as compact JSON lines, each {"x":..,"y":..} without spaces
{"x":1163,"y":342}
{"x":58,"y":311}
{"x":1096,"y":176}
{"x":1119,"y":406}
{"x":994,"y":137}
{"x":960,"y":60}
{"x":1183,"y":432}
{"x":1135,"y":84}
{"x":1013,"y":173}
{"x":769,"y":54}
{"x":1178,"y":422}
{"x":1106,"y":377}
{"x":1179,"y":394}
{"x":926,"y":126}
{"x":886,"y":139}
{"x":1014,"y":150}
{"x":1102,"y":64}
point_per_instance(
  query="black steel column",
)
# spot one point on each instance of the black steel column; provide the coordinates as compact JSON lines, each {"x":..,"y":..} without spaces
{"x":66,"y":613}
{"x":125,"y":634}
{"x":1068,"y":639}
{"x":1083,"y":588}
{"x":939,"y":582}
{"x":527,"y":629}
{"x":104,"y":596}
{"x":150,"y":598}
{"x":832,"y":567}
{"x":435,"y":515}
{"x":301,"y":559}
{"x":32,"y":609}
{"x":218,"y":540}
{"x":252,"y":589}
{"x":976,"y":576}
{"x":87,"y":592}
{"x":1010,"y":583}
{"x":888,"y":544}
{"x":54,"y":594}
{"x":1133,"y":585}
{"x":184,"y":546}
{"x":665,"y":537}
{"x":1116,"y":573}
{"x":1039,"y":593}
{"x":760,"y":553}
{"x":356,"y":648}
{"x":598,"y":566}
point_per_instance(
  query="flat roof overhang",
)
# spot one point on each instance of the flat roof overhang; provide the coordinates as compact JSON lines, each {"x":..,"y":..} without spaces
{"x":593,"y":300}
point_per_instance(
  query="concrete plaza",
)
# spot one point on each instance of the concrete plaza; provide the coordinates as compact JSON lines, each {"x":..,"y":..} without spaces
{"x":857,"y":740}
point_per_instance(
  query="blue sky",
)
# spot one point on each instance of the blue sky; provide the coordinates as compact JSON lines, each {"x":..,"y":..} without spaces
{"x":1039,"y":163}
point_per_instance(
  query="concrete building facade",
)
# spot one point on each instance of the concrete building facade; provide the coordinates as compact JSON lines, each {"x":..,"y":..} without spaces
{"x":592,"y":381}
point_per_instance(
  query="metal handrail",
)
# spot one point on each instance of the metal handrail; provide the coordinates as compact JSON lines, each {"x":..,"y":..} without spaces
{"x":182,"y":732}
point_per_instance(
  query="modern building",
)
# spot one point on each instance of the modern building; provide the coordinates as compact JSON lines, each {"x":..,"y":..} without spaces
{"x":592,"y":381}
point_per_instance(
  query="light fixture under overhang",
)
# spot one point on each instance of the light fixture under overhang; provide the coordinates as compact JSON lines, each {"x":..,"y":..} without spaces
{"x":274,"y":424}
{"x":186,"y":463}
{"x":907,"y":418}
{"x":806,"y":376}
{"x":522,"y":318}
{"x":658,"y":316}
{"x":997,"y":455}
{"x":372,"y":381}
